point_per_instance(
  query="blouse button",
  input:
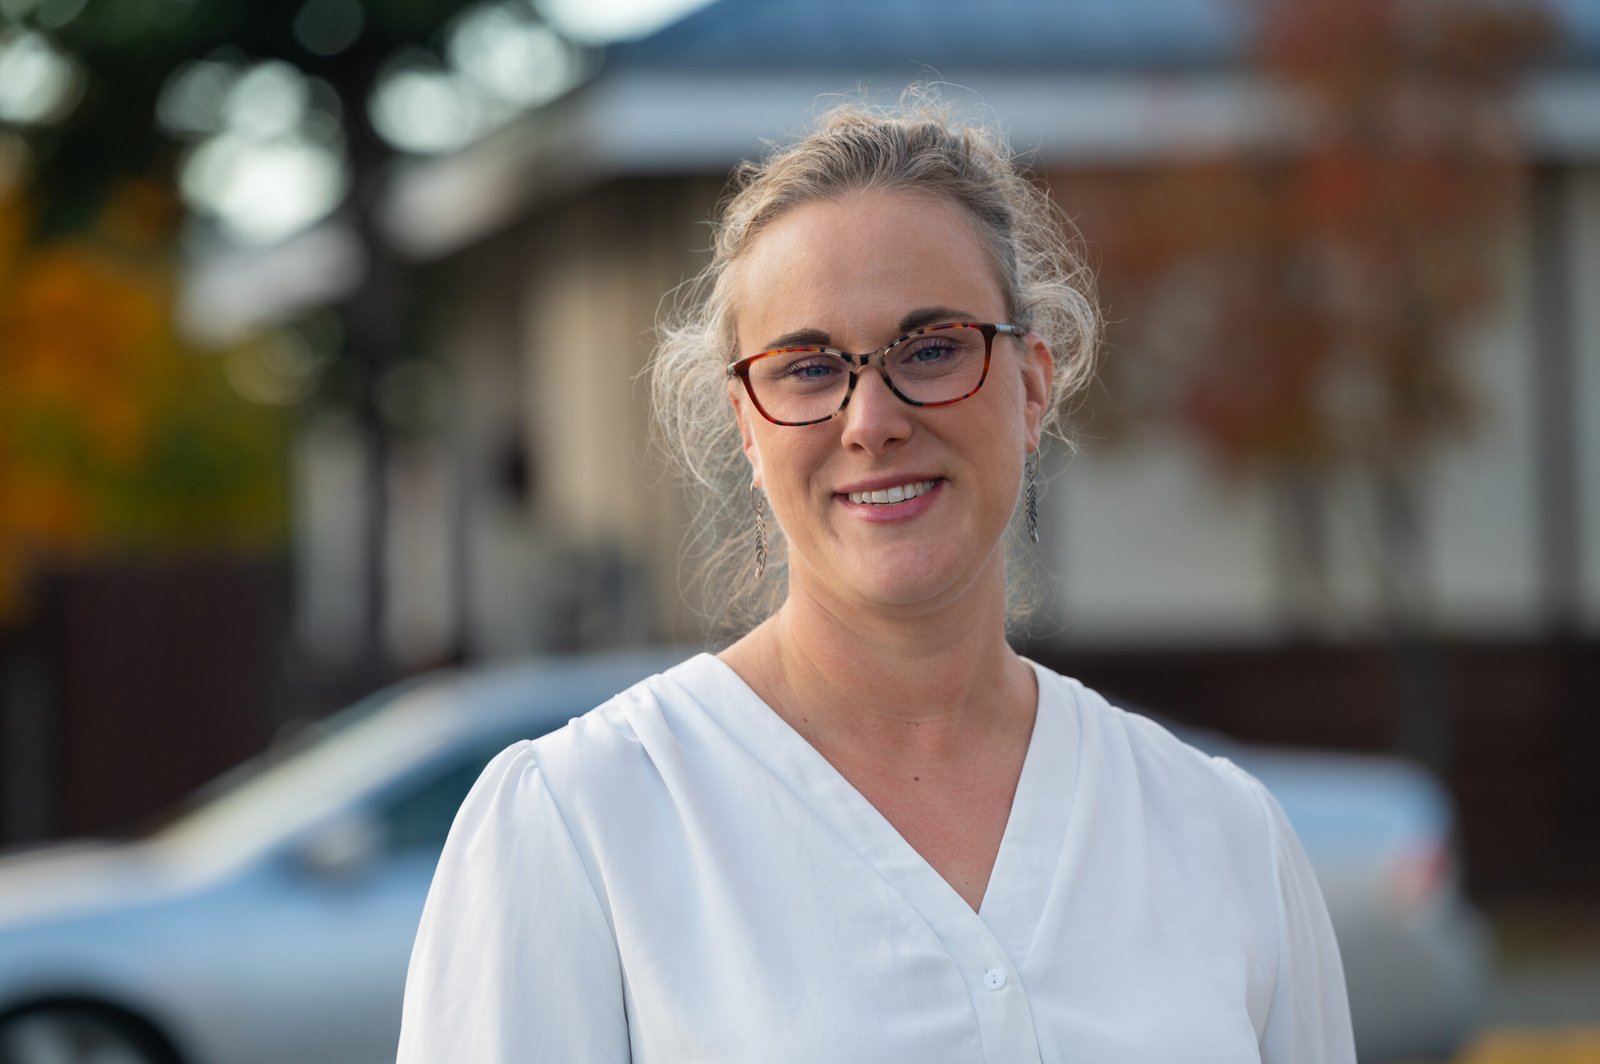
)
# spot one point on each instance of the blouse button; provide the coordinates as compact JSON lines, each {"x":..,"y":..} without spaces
{"x":994,"y":978}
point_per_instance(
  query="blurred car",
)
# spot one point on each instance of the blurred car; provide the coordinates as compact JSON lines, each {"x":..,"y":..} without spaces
{"x":1380,"y":835}
{"x":272,"y":920}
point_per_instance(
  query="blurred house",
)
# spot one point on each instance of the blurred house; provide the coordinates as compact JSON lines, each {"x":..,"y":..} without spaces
{"x":558,"y":238}
{"x":537,"y":517}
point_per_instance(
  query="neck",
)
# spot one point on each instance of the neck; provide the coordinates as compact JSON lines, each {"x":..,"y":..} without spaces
{"x":921,"y":685}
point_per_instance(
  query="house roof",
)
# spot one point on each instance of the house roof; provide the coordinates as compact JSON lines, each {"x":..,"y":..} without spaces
{"x":963,"y":34}
{"x":1079,"y":82}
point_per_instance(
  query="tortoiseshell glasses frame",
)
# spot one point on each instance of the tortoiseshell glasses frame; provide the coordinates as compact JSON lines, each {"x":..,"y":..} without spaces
{"x":857,"y":363}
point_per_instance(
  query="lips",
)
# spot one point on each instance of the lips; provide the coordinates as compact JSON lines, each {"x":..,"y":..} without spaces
{"x":902,"y":497}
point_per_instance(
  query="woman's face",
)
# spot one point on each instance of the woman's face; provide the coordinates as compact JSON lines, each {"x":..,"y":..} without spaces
{"x":855,"y":273}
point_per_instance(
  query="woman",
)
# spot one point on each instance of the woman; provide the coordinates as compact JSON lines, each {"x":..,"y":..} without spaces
{"x":868,"y":830}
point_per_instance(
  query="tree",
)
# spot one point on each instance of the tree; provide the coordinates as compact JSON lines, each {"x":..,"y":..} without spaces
{"x":115,"y":435}
{"x":144,"y":95}
{"x":1306,"y":295}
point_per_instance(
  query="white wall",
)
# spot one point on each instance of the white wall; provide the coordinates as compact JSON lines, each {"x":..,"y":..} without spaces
{"x":598,"y":272}
{"x":1482,"y":502}
{"x":1148,"y":542}
{"x":1584,"y":196}
{"x":328,"y":474}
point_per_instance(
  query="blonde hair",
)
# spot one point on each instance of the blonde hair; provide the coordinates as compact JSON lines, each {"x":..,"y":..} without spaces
{"x":918,"y":145}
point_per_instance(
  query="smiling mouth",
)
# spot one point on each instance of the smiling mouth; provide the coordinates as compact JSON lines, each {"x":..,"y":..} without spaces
{"x":898,"y":493}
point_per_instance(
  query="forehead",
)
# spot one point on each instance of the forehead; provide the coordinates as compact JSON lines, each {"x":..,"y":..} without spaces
{"x":853,"y":266}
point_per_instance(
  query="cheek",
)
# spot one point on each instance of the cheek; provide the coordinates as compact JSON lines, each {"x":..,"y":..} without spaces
{"x":1004,"y":420}
{"x":780,"y":464}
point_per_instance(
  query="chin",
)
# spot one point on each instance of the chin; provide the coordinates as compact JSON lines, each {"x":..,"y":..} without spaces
{"x":898,"y":576}
{"x":917,"y":582}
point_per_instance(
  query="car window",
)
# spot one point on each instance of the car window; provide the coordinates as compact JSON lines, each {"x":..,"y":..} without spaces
{"x":239,"y":785}
{"x":419,"y":816}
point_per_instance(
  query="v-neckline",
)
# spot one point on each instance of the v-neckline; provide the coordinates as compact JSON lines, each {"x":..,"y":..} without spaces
{"x":1025,"y":865}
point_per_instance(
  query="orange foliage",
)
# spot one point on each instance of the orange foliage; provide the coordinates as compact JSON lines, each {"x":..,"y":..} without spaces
{"x":100,"y":401}
{"x":1324,"y":281}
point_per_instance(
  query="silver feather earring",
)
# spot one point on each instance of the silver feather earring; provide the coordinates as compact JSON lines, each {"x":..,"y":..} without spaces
{"x":1031,"y":505}
{"x":758,"y":503}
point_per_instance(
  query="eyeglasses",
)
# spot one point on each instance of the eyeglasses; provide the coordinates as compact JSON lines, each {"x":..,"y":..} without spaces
{"x":935,"y":366}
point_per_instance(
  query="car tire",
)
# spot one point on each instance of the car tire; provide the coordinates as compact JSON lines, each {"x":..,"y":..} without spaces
{"x":79,"y":1034}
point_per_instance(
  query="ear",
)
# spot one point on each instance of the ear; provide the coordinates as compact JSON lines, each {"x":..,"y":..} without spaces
{"x":1038,"y":372}
{"x":743,"y":414}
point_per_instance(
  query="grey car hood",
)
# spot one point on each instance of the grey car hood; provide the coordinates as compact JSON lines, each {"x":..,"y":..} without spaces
{"x":80,"y":877}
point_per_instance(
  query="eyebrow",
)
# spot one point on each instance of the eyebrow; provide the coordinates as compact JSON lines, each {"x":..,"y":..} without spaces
{"x":916,"y":319}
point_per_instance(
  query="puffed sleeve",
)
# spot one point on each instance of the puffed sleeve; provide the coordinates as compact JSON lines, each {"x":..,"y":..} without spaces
{"x":1309,"y":1021}
{"x":514,"y":959}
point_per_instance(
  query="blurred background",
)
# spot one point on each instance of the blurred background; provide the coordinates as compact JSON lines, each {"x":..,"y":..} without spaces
{"x":321,"y":324}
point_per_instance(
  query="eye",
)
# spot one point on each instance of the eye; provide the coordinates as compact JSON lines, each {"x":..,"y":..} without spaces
{"x":931,"y":354}
{"x":812,"y":368}
{"x":932,"y":350}
{"x":797,"y":369}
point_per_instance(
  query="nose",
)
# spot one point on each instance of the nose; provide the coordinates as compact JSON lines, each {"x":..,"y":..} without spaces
{"x":874,"y":418}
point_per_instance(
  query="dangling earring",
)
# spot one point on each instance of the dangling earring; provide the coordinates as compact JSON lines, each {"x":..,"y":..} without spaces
{"x":1031,"y":505}
{"x":758,"y":503}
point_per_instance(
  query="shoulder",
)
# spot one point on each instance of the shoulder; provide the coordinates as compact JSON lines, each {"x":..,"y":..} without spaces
{"x":622,"y":732}
{"x":601,"y":783}
{"x":627,"y":762}
{"x":1132,"y":752}
{"x":1200,"y":829}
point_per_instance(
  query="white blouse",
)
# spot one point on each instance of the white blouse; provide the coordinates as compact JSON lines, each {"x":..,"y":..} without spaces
{"x":678,"y":876}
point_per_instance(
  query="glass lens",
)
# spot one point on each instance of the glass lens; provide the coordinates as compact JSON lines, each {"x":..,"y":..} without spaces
{"x":803,"y":384}
{"x":938,"y":365}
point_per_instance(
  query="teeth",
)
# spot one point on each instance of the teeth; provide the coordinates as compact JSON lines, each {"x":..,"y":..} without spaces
{"x":898,"y":493}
